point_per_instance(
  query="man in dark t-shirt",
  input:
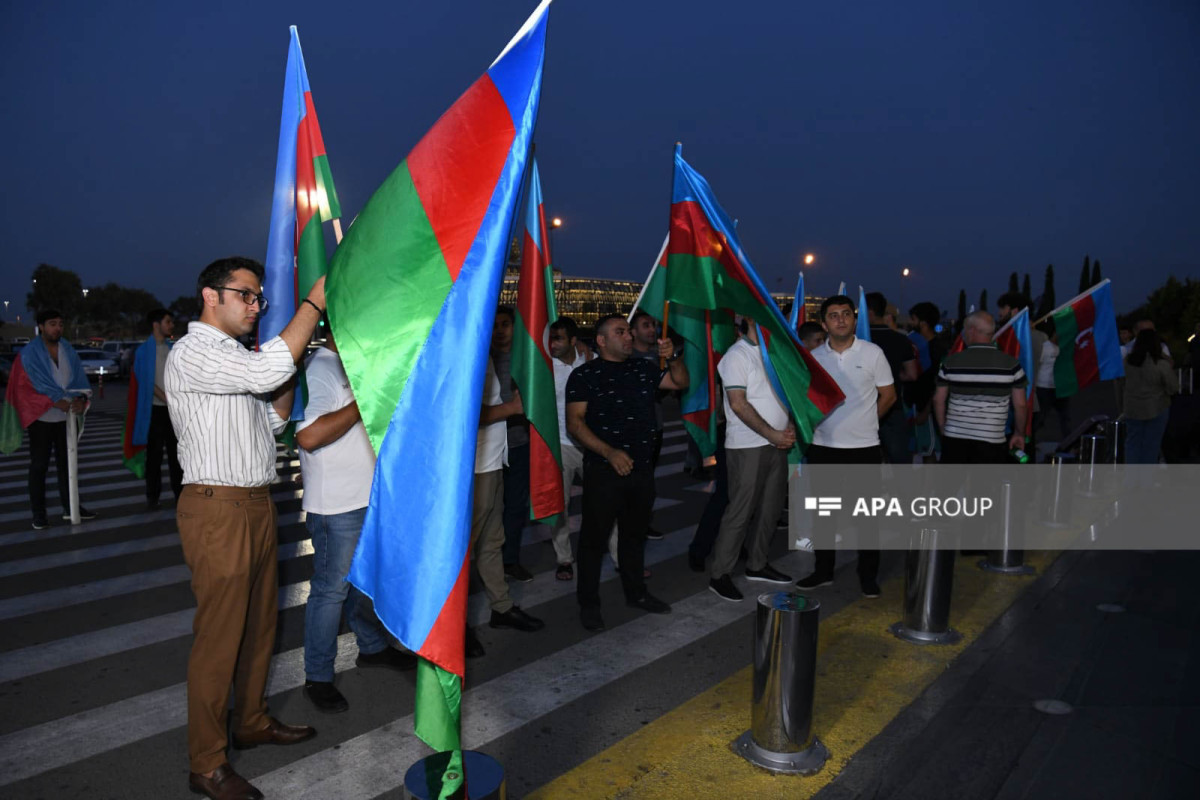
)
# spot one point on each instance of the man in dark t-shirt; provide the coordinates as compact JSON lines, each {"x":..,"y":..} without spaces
{"x":610,"y":413}
{"x":902,"y":359}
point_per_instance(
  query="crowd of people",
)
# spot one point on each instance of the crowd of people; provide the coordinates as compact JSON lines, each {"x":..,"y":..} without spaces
{"x":213,"y":408}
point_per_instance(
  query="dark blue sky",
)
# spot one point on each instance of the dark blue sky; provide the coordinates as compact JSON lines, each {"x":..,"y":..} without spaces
{"x":964,"y":140}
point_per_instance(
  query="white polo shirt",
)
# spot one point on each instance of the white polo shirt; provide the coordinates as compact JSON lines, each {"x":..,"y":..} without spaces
{"x":742,"y":368}
{"x":561,"y":373}
{"x":859,"y":371}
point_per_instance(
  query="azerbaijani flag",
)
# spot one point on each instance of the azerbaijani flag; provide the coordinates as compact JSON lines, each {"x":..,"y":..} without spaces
{"x":21,"y":408}
{"x":862,"y":327}
{"x":708,"y":270}
{"x":1016,"y":339}
{"x":532,"y":365}
{"x":797,"y":317}
{"x":1089,"y":349}
{"x":304,"y":198}
{"x":138,"y":409}
{"x":412,"y":293}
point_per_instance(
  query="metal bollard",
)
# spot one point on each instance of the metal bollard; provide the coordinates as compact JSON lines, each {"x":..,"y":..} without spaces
{"x":785,"y":667}
{"x":1056,"y":495}
{"x":1091,"y":456}
{"x":1114,"y":432}
{"x":423,"y":781}
{"x":1007,"y":559}
{"x":928,"y":582}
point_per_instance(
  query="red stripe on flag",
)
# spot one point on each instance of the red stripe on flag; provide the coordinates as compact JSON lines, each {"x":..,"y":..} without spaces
{"x":1087,"y":365}
{"x":464,"y":151}
{"x":691,"y":234}
{"x":307,"y":203}
{"x":545,"y":479}
{"x":317,"y":144}
{"x":128,"y":449}
{"x":445,"y":643}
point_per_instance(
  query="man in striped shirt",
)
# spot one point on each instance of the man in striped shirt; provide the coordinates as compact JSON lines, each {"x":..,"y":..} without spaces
{"x":976,"y":387}
{"x":226,"y":404}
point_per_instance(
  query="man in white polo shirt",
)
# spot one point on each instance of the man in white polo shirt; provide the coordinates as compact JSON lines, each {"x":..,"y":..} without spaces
{"x":849,"y":435}
{"x":758,"y":435}
{"x":565,"y":351}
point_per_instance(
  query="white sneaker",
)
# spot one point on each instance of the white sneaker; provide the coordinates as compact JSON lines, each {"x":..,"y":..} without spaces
{"x":804,"y":544}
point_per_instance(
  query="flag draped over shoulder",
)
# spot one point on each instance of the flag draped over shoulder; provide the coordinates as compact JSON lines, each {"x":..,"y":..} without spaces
{"x":412,"y":296}
{"x":23,"y":404}
{"x":139,"y":408}
{"x":1016,"y":339}
{"x":304,"y":197}
{"x":532,"y":365}
{"x":707,"y":270}
{"x":1089,"y":349}
{"x":798,"y":316}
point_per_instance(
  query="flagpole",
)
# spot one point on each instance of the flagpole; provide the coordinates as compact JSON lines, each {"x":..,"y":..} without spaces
{"x":337,"y":229}
{"x":653,"y":267}
{"x":72,"y":469}
{"x":662,"y":362}
{"x":1079,"y":296}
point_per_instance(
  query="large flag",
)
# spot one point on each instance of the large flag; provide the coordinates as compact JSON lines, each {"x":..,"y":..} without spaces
{"x":1089,"y":349}
{"x":707,"y":269}
{"x":412,"y":295}
{"x":532,"y":364}
{"x":862,"y":327}
{"x":1016,"y":339}
{"x":798,"y":315}
{"x":304,"y":198}
{"x":138,"y":408}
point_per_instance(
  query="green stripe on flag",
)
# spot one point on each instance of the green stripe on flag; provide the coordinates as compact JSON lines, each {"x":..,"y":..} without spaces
{"x":11,"y":431}
{"x":381,"y":274}
{"x":1066,"y":382}
{"x":328,"y":199}
{"x":310,"y":256}
{"x":437,"y":718}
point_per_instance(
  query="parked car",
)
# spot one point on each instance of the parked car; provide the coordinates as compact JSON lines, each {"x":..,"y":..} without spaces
{"x":95,"y":360}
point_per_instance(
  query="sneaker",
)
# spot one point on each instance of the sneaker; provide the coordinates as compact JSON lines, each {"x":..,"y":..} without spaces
{"x":724,"y":589}
{"x":653,"y":535}
{"x":40,"y":523}
{"x":516,"y":619}
{"x":870,"y":588}
{"x":767,"y":574}
{"x":517,"y":573}
{"x":325,"y":697}
{"x":474,"y":648}
{"x":388,"y":658}
{"x":814,"y":581}
{"x":804,"y":544}
{"x":83,"y":514}
{"x":650,"y":603}
{"x":591,"y":619}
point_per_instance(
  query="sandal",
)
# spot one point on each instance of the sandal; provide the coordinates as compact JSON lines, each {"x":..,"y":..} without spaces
{"x":565,"y":572}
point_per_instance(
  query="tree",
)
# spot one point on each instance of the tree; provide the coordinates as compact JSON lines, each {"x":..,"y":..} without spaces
{"x":1013,"y":286}
{"x":983,"y":300}
{"x":962,"y":305}
{"x":55,"y":288}
{"x":1027,"y":290}
{"x":115,"y":311}
{"x":1085,"y":275}
{"x":185,"y":307}
{"x":1095,"y":272}
{"x":1047,"y":293}
{"x":1175,"y":310}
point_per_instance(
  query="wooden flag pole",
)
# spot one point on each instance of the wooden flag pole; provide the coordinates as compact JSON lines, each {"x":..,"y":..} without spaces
{"x":662,"y":362}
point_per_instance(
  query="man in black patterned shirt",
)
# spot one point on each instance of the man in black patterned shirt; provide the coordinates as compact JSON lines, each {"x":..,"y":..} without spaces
{"x":610,"y":412}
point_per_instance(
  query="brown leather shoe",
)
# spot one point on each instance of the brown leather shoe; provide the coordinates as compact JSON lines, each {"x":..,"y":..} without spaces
{"x":275,"y":733}
{"x":225,"y":784}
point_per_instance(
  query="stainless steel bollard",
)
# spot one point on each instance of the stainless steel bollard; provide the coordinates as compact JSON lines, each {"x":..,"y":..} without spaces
{"x":780,"y":738}
{"x":928,"y":583}
{"x":1114,"y":433}
{"x":1057,"y":493}
{"x":482,"y":777}
{"x":1007,"y":557}
{"x":1091,"y":456}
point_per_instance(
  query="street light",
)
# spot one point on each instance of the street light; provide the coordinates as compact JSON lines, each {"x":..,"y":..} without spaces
{"x":809,"y":258}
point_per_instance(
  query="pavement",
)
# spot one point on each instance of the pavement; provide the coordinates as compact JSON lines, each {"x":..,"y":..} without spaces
{"x":95,"y":627}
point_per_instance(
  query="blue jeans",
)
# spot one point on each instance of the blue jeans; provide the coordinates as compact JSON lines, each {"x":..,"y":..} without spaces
{"x":334,"y":538}
{"x":1144,"y":437}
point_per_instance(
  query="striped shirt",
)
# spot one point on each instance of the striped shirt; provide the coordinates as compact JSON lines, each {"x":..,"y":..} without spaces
{"x":218,"y":393}
{"x":981,"y":379}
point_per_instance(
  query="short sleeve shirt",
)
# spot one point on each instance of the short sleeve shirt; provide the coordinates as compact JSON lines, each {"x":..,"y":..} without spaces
{"x":620,"y":405}
{"x":742,"y":368}
{"x":859,"y":371}
{"x":337,"y":476}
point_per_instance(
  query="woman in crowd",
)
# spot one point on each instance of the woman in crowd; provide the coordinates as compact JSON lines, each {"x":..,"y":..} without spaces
{"x":1149,"y":383}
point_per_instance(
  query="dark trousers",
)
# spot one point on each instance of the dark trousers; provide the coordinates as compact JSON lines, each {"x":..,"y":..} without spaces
{"x":608,"y":498}
{"x":161,"y":437}
{"x":44,"y":437}
{"x":1047,"y":400}
{"x":516,"y":502}
{"x":970,"y":451}
{"x":710,"y":519}
{"x":826,"y":484}
{"x":893,"y":436}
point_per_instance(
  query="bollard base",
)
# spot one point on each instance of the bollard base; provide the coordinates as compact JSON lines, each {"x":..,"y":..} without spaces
{"x":807,"y":762}
{"x":1020,"y":569}
{"x":949,"y":636}
{"x":423,"y":781}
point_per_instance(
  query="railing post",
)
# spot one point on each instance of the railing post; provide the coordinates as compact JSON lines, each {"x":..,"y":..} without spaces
{"x":1057,"y":493}
{"x":928,"y":583}
{"x":1007,"y":557}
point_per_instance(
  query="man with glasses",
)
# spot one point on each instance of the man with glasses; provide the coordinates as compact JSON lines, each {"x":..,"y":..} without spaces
{"x":226,"y":404}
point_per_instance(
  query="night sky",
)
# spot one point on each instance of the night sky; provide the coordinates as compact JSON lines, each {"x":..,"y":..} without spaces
{"x":964,"y":140}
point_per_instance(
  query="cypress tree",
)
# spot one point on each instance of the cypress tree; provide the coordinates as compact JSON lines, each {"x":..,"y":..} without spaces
{"x":1096,"y":273}
{"x":962,"y":305}
{"x":1027,"y":289}
{"x":1085,"y":275}
{"x":1012,"y":283}
{"x":983,"y":300}
{"x":1047,"y":293}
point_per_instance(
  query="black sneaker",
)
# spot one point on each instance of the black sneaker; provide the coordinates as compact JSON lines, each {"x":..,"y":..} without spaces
{"x":724,"y":589}
{"x":517,"y":619}
{"x":40,"y":523}
{"x":517,"y":573}
{"x":388,"y":658}
{"x":653,"y":535}
{"x":814,"y":581}
{"x":474,"y":648}
{"x":870,"y":588}
{"x":650,"y":603}
{"x":591,"y":619}
{"x":83,"y":514}
{"x":325,"y":697}
{"x":767,"y":574}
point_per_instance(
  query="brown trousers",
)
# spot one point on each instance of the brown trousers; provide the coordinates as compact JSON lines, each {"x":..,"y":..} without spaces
{"x":230,"y":545}
{"x":487,"y":537}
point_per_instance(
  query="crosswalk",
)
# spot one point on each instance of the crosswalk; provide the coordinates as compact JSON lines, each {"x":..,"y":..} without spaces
{"x":96,"y":622}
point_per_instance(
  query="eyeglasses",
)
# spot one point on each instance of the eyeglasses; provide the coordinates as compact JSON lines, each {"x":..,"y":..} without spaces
{"x":248,"y":297}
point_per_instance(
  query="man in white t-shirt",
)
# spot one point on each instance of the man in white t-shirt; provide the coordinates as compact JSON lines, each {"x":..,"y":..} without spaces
{"x":849,"y":435}
{"x":758,"y":434}
{"x":566,"y":357}
{"x":338,"y":463}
